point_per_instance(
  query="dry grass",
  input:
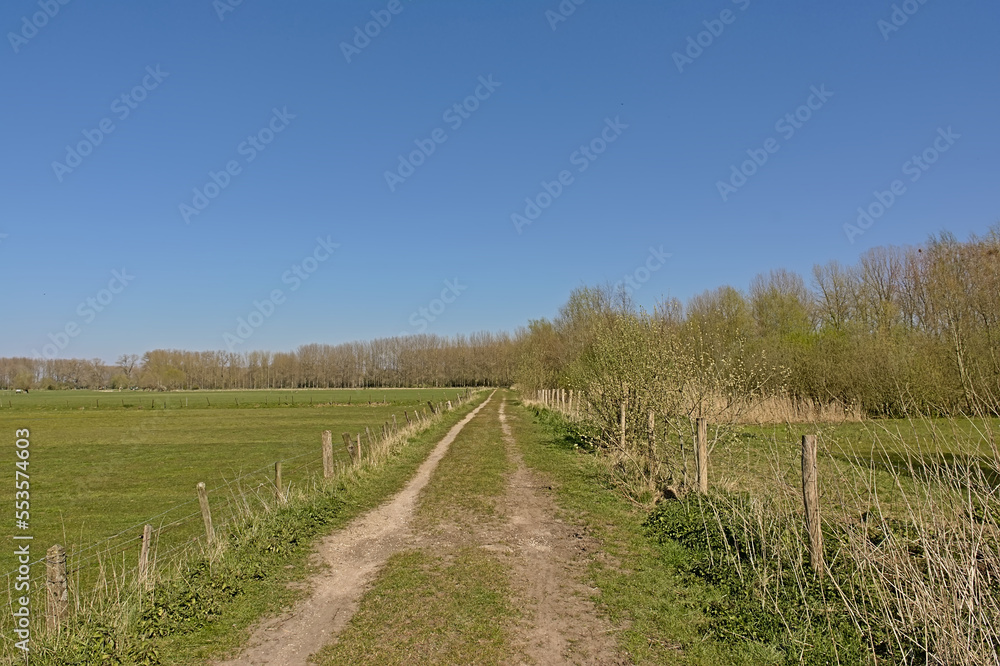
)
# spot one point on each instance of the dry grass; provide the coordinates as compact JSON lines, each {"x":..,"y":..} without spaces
{"x":911,"y":515}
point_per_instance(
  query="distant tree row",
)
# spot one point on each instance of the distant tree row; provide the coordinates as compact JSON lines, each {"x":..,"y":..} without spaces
{"x":418,"y":360}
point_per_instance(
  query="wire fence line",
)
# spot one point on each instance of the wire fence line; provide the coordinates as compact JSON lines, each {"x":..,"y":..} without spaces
{"x":225,"y":486}
{"x":233,"y":498}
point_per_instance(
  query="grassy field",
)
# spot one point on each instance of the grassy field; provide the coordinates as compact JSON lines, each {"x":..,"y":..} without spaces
{"x":135,"y":400}
{"x":208,"y":604}
{"x":106,"y":462}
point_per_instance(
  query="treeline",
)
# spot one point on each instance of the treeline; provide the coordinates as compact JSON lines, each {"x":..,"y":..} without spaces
{"x":418,"y":360}
{"x":902,"y":330}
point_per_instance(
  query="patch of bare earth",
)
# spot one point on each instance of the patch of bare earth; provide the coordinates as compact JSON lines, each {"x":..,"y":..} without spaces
{"x":352,"y":557}
{"x":562,"y":624}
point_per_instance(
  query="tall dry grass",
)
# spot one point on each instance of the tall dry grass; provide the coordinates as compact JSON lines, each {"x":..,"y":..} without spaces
{"x":910,"y":511}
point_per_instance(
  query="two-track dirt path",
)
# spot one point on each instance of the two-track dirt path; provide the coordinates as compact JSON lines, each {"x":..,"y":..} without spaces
{"x":561,"y":626}
{"x":353,"y":556}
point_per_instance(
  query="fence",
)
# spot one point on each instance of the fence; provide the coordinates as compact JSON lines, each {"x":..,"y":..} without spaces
{"x":131,"y":558}
{"x":576,"y":406}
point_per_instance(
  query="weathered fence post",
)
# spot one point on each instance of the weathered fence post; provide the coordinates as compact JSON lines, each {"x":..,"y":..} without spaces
{"x":449,"y":405}
{"x":701,"y":455}
{"x":395,"y":426}
{"x":327,"y":454}
{"x":431,"y":405}
{"x":407,"y":416}
{"x":279,"y":487}
{"x":810,"y":496}
{"x":57,"y":591}
{"x":359,"y":444}
{"x":147,"y":537}
{"x":349,"y":444}
{"x":206,"y":512}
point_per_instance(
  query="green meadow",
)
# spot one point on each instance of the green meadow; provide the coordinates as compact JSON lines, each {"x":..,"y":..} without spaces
{"x":104,"y":463}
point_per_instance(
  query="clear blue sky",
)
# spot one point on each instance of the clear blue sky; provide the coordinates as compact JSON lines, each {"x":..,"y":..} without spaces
{"x":553,"y":85}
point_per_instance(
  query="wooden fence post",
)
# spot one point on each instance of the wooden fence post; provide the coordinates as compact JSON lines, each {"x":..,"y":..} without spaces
{"x":810,"y":495}
{"x":327,"y":454}
{"x":359,"y":444}
{"x":350,"y":445}
{"x":395,"y":426}
{"x":407,"y":416}
{"x":147,"y":537}
{"x":701,"y":455}
{"x":206,"y":512}
{"x":449,"y":405}
{"x":279,"y":487}
{"x":431,"y":405}
{"x":57,"y":591}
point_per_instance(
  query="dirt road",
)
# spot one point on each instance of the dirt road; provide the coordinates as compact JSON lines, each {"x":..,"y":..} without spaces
{"x":560,"y":624}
